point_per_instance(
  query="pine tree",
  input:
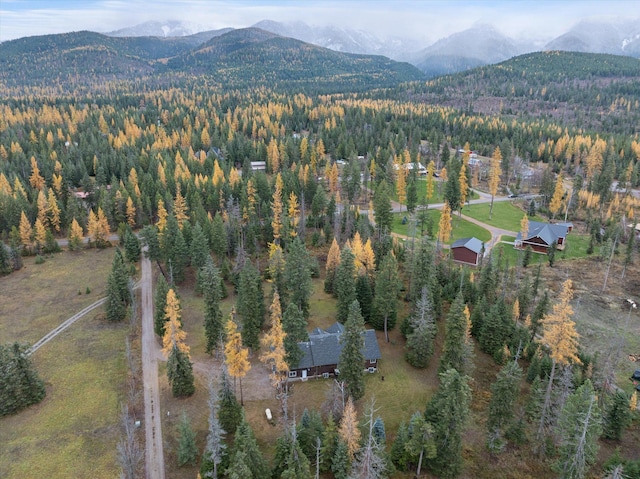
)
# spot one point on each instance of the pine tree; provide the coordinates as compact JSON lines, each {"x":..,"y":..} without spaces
{"x":504,"y":394}
{"x":345,"y":285}
{"x":245,"y":444}
{"x":579,"y":429}
{"x":187,"y":450}
{"x":419,"y":443}
{"x":215,"y":447}
{"x":618,"y":416}
{"x":213,"y":324}
{"x":448,"y":412}
{"x":385,"y":300}
{"x":333,"y":260}
{"x":382,"y":211}
{"x":297,"y":276}
{"x":329,"y":444}
{"x":199,"y":248}
{"x":309,"y":431}
{"x":159,"y":303}
{"x":117,"y":289}
{"x":364,"y":295}
{"x":20,"y":385}
{"x":219,"y":243}
{"x":294,"y":325}
{"x":174,"y":250}
{"x":236,"y":357}
{"x":399,"y":455}
{"x":456,"y":350}
{"x":351,"y":363}
{"x":230,"y":413}
{"x":341,"y":462}
{"x":250,"y":305}
{"x":420,"y":342}
{"x":131,"y":246}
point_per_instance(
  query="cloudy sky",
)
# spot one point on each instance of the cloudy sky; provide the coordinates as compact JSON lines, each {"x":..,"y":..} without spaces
{"x":425,"y":20}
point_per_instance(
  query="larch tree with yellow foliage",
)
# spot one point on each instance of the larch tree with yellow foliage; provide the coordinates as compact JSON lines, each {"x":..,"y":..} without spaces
{"x":180,"y":209}
{"x":294,"y":214}
{"x":131,"y":213}
{"x":560,"y":339}
{"x":276,"y":210}
{"x":40,"y":235}
{"x":524,"y":227}
{"x":556,"y":199}
{"x":274,"y":354}
{"x":464,"y":186}
{"x":36,"y":180}
{"x":431,"y":169}
{"x":75,"y":235}
{"x":333,"y":260}
{"x":26,"y":232}
{"x":236,"y":356}
{"x":349,"y":431}
{"x":162,"y":217}
{"x":179,"y":367}
{"x":444,"y":226}
{"x":494,"y":176}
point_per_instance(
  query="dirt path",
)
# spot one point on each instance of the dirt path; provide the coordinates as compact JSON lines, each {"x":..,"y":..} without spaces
{"x":64,"y":325}
{"x":154,"y":454}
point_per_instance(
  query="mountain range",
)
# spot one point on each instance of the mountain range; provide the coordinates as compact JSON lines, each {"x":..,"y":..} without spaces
{"x":480,"y":45}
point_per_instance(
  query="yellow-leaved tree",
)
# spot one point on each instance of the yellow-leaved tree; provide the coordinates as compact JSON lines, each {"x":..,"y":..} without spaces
{"x":556,"y":199}
{"x":236,"y":356}
{"x":276,"y":209}
{"x":294,"y":214}
{"x":75,"y":235}
{"x":464,"y":185}
{"x":444,"y":227}
{"x":349,"y":431}
{"x":274,"y":355}
{"x":180,"y":208}
{"x":36,"y":180}
{"x":494,"y":176}
{"x":26,"y":231}
{"x":333,"y":260}
{"x":524,"y":227}
{"x":174,"y":336}
{"x":431,"y":169}
{"x":560,"y":338}
{"x":162,"y":217}
{"x":131,"y":213}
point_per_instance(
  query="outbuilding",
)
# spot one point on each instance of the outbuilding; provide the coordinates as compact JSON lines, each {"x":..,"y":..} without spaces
{"x":467,"y":251}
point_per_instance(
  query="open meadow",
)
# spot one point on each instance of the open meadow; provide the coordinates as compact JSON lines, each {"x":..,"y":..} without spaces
{"x":73,"y":432}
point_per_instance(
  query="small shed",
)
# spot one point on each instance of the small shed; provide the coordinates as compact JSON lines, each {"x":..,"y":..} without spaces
{"x":467,"y":251}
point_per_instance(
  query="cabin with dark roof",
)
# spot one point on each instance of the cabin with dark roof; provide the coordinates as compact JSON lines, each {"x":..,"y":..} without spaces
{"x":320,"y":355}
{"x":541,"y":236}
{"x":467,"y":251}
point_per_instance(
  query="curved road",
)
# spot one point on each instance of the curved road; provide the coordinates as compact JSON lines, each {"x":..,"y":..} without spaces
{"x":154,"y":453}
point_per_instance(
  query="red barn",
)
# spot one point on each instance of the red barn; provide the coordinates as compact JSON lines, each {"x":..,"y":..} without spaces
{"x":467,"y":251}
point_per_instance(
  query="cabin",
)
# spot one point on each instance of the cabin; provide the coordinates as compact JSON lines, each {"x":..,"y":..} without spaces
{"x":322,"y":353}
{"x":258,"y":166}
{"x":541,"y":236}
{"x":467,"y":251}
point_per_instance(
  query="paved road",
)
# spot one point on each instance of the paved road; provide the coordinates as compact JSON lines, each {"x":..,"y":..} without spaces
{"x":154,"y":453}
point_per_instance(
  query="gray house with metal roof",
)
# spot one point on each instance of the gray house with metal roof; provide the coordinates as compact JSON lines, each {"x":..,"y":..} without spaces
{"x":541,"y":236}
{"x":322,"y":353}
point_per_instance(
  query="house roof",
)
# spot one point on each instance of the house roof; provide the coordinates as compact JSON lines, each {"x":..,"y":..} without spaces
{"x":324,"y":347}
{"x":473,"y":244}
{"x":547,"y":232}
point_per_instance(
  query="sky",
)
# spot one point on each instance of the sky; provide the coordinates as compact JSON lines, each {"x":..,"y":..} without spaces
{"x":423,"y":20}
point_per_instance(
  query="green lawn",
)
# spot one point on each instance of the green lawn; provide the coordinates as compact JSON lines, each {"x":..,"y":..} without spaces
{"x":461,"y":228}
{"x":505,"y":215}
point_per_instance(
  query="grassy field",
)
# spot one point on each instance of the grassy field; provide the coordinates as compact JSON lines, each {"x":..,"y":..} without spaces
{"x":461,"y":227}
{"x":73,"y":432}
{"x":505,"y":215}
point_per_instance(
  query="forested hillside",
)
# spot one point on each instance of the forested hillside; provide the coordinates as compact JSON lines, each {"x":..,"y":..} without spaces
{"x":482,"y":372}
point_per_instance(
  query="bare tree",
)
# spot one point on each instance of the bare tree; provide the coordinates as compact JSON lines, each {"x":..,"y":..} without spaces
{"x":370,"y":462}
{"x":130,"y":453}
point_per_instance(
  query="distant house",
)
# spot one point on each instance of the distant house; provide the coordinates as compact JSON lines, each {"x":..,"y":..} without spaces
{"x":467,"y":251}
{"x":258,"y":165}
{"x":541,"y":236}
{"x":322,"y":353}
{"x":422,"y":170}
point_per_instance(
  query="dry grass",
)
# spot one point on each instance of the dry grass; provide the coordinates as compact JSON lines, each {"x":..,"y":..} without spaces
{"x":39,"y":297}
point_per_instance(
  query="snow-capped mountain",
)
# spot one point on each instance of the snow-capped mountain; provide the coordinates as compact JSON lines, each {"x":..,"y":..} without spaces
{"x":618,"y":37}
{"x":342,"y":39}
{"x":169,"y":28}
